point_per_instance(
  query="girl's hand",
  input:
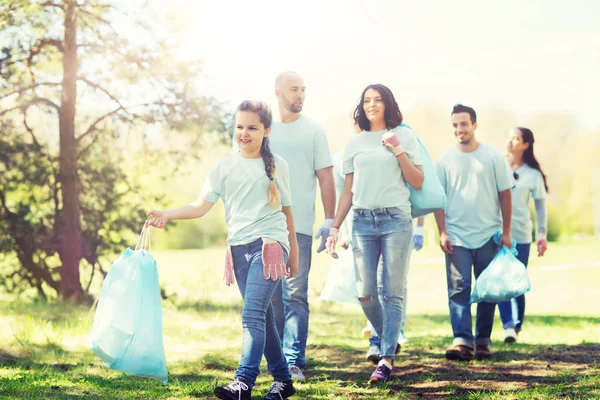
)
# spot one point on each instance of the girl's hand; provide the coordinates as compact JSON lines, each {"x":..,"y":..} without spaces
{"x":542,"y":245}
{"x":157,"y":218}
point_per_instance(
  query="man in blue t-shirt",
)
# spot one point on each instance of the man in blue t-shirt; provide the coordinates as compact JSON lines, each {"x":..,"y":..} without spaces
{"x":477,"y":181}
{"x":303,"y":144}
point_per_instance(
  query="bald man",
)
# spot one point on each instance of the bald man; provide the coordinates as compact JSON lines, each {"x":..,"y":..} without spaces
{"x":303,"y":144}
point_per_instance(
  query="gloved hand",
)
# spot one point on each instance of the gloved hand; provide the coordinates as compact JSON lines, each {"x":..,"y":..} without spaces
{"x":332,"y":241}
{"x":323,"y":233}
{"x":391,"y":141}
{"x":418,"y":238}
{"x":273,"y":260}
{"x":418,"y":242}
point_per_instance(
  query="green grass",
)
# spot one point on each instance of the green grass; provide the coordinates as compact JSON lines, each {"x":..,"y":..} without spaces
{"x":43,"y":351}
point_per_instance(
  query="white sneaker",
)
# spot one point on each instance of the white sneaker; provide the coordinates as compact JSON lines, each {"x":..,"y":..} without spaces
{"x":297,"y":374}
{"x":373,"y":354}
{"x":366,"y":332}
{"x":402,"y":339}
{"x":510,"y":335}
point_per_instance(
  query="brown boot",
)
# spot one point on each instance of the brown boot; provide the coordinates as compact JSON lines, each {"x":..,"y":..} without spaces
{"x":459,"y":352}
{"x":482,"y":352}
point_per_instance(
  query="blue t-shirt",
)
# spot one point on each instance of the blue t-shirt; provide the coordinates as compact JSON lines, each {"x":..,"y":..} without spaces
{"x":243,"y":185}
{"x":304,"y":146}
{"x":472,"y":182}
{"x":530,"y":184}
{"x":378,"y":181}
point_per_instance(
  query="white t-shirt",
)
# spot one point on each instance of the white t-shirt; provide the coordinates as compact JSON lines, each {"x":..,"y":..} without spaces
{"x":243,"y":185}
{"x":378,"y":181}
{"x":472,"y":182}
{"x":303,"y":145}
{"x":529,"y":183}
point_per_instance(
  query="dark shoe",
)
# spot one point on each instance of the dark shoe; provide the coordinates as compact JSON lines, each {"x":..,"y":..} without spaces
{"x":373,"y":354}
{"x":381,"y":374}
{"x":237,"y":389}
{"x":280,"y":390}
{"x":482,"y":352}
{"x":459,"y":352}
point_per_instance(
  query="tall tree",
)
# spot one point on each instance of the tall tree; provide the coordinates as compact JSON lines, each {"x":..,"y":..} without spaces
{"x":71,"y":67}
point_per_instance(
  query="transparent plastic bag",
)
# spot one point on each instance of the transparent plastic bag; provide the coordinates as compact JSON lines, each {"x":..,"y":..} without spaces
{"x":341,"y":280}
{"x":505,"y":278}
{"x":127,"y":329}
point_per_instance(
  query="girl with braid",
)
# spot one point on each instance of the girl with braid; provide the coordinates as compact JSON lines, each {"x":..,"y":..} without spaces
{"x":262,"y":248}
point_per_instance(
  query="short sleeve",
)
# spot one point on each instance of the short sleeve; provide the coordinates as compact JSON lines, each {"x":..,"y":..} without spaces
{"x":441,"y":173}
{"x":503,"y":173}
{"x":321,"y":150}
{"x":282,"y":180}
{"x":539,"y":188}
{"x":410,"y":144}
{"x":348,"y":162}
{"x":211,"y":190}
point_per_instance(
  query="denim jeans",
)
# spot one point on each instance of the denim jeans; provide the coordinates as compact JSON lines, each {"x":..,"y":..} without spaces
{"x":459,"y":266}
{"x":385,"y":232}
{"x":290,"y":302}
{"x":259,"y":332}
{"x":512,"y":312}
{"x":374,"y":340}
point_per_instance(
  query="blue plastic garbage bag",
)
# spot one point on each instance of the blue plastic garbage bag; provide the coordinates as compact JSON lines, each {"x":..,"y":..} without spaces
{"x":127,"y":329}
{"x":431,"y":197}
{"x":505,"y":278}
{"x":341,"y":280}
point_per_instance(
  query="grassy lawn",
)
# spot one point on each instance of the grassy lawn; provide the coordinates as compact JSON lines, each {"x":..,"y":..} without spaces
{"x":43,"y":351}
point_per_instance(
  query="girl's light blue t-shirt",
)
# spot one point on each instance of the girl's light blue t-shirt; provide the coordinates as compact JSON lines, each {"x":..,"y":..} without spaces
{"x":242,"y":184}
{"x":529,"y":184}
{"x":378,"y":180}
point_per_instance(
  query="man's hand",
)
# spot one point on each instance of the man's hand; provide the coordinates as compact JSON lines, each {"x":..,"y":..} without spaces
{"x":445,"y":243}
{"x":323,"y":233}
{"x":506,"y":240}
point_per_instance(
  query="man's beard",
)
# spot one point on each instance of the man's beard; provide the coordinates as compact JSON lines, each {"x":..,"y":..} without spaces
{"x":295,"y":107}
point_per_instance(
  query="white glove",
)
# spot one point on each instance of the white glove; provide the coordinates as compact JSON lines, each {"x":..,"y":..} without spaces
{"x":332,"y":241}
{"x":391,"y":141}
{"x":323,"y":233}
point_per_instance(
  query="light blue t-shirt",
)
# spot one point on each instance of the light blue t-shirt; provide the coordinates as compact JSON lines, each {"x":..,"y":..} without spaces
{"x":472,"y":182}
{"x":303,"y":145}
{"x":243,"y":185}
{"x":378,"y":180}
{"x":529,"y":183}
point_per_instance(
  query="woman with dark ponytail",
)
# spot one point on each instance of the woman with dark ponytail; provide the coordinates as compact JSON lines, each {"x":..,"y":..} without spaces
{"x":530,"y":182}
{"x":254,"y":186}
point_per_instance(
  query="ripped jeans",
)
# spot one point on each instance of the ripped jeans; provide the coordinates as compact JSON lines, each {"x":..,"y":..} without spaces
{"x":387,"y":233}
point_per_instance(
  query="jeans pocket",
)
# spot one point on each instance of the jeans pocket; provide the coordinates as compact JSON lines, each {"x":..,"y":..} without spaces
{"x":397,"y":215}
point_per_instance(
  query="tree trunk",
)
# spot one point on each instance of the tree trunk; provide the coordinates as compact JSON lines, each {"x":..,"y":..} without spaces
{"x":70,"y":247}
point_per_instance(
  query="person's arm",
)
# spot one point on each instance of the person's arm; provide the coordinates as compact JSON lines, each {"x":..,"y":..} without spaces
{"x":327,"y":186}
{"x":342,"y":211}
{"x":541,"y":218}
{"x":197,"y":209}
{"x":506,"y":209}
{"x":413,"y":174}
{"x":445,"y":243}
{"x":292,"y":263}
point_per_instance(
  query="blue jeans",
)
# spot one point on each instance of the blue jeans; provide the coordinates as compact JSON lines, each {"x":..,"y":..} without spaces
{"x":512,"y":312}
{"x":458,"y":274}
{"x":258,"y":322}
{"x":383,"y":232}
{"x":290,"y":302}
